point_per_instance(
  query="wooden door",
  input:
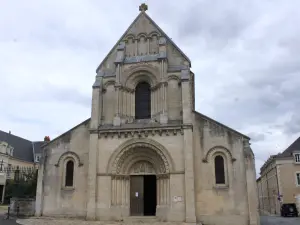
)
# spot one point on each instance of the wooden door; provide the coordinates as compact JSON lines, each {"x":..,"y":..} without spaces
{"x":137,"y":195}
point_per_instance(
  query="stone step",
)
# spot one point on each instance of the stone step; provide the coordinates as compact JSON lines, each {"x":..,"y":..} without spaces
{"x":143,"y":219}
{"x":131,"y":221}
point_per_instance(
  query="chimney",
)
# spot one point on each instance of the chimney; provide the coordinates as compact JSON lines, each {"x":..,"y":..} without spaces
{"x":46,"y":138}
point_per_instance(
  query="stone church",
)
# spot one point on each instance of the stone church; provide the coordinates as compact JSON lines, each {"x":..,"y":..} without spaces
{"x":145,"y":152}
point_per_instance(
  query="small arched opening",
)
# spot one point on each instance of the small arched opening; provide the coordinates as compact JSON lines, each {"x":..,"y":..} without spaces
{"x":219,"y":169}
{"x":143,"y":101}
{"x":69,"y":177}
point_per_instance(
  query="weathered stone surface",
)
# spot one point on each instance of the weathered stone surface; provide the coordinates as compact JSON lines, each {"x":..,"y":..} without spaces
{"x":22,"y":206}
{"x":176,"y":144}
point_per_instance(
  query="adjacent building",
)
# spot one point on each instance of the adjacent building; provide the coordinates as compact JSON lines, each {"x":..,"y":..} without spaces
{"x":279,"y":180}
{"x":145,"y":151}
{"x":16,"y":151}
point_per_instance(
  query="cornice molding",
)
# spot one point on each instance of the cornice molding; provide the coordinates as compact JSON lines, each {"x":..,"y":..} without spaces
{"x":141,"y":132}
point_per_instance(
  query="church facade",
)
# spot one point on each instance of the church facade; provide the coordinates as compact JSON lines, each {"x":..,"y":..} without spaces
{"x":145,"y":151}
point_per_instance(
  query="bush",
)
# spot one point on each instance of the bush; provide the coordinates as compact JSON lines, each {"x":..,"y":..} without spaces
{"x":24,"y":188}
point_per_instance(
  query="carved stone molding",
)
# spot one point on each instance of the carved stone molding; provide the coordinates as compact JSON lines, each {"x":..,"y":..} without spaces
{"x":135,"y":150}
{"x":220,"y":130}
{"x":109,"y":82}
{"x":140,"y":150}
{"x":140,"y":133}
{"x":158,"y":85}
{"x":71,"y":155}
{"x":138,"y":72}
{"x":142,"y":167}
{"x":218,"y":149}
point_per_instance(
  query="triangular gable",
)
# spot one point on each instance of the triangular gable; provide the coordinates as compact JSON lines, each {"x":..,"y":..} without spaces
{"x":156,"y":26}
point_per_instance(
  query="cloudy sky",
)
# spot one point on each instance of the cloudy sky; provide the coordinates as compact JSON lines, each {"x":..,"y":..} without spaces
{"x":245,"y":56}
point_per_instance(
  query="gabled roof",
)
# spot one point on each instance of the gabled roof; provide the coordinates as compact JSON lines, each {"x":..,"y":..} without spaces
{"x":157,"y":27}
{"x":37,"y":146}
{"x":295,"y":146}
{"x":220,"y":124}
{"x":22,"y":147}
{"x":66,"y":133}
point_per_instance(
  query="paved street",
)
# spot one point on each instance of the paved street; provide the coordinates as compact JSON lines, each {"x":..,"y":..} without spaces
{"x":276,"y":220}
{"x":3,"y":210}
{"x":265,"y":220}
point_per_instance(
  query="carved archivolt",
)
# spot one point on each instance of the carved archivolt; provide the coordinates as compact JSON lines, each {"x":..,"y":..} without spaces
{"x":136,"y":150}
{"x":142,"y":167}
{"x":154,"y":33}
{"x":129,"y":36}
{"x":109,"y":82}
{"x":217,"y":149}
{"x":144,"y":35}
{"x":174,"y":77}
{"x":69,"y":154}
{"x":150,"y":35}
{"x":140,"y":73}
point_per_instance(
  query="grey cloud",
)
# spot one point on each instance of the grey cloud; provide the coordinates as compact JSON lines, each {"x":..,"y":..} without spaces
{"x":245,"y":55}
{"x":67,"y":94}
{"x":255,"y":137}
{"x":49,"y":92}
{"x":293,"y":125}
{"x":215,"y":22}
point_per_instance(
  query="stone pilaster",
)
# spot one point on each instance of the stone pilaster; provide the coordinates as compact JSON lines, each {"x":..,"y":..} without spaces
{"x":40,"y":185}
{"x":92,"y":177}
{"x":117,"y":118}
{"x":163,"y":88}
{"x":251,"y":185}
{"x":118,"y":62}
{"x":186,"y":93}
{"x":190,"y":212}
{"x":96,"y":113}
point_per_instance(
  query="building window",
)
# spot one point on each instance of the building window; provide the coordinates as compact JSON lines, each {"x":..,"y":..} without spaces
{"x":297,"y":157}
{"x":1,"y":166}
{"x":219,"y":170}
{"x":298,"y":178}
{"x":9,"y":169}
{"x":69,"y":178}
{"x":143,"y":101}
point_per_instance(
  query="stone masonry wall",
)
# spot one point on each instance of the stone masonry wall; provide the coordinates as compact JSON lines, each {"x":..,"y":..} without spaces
{"x":216,"y":204}
{"x":58,"y":200}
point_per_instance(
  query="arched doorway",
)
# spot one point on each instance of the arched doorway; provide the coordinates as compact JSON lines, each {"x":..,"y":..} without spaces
{"x":140,"y":179}
{"x":143,"y":189}
{"x":142,"y":101}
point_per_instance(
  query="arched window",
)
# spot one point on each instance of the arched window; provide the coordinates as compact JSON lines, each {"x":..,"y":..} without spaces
{"x":219,"y":170}
{"x":142,"y":101}
{"x":69,"y":174}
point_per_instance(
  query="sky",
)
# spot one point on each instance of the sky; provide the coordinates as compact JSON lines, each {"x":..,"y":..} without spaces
{"x":244,"y":53}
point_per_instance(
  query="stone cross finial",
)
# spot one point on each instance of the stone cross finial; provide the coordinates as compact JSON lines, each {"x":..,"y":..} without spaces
{"x":143,"y":7}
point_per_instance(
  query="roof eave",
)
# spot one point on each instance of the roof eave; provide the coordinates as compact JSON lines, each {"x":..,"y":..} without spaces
{"x":235,"y":131}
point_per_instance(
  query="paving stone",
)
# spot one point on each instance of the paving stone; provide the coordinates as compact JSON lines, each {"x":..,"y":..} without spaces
{"x":276,"y":220}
